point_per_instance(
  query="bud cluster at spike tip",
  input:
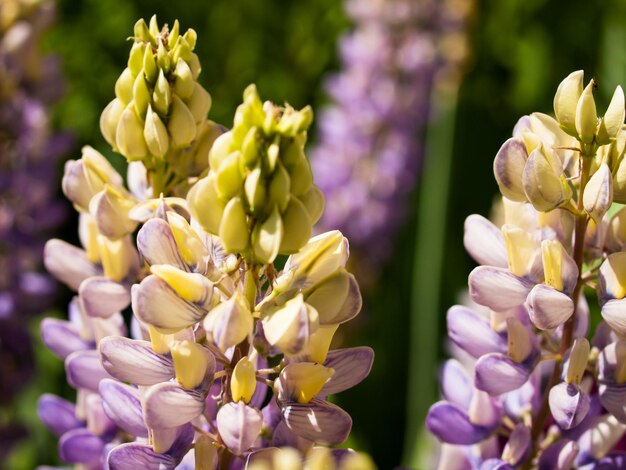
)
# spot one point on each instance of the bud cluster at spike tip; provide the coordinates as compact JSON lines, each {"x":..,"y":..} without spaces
{"x":536,"y":387}
{"x":228,"y":364}
{"x":30,"y":210}
{"x":371,"y":138}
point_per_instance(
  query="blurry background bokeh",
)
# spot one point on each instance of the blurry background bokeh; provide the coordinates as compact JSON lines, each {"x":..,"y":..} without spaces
{"x":432,"y":129}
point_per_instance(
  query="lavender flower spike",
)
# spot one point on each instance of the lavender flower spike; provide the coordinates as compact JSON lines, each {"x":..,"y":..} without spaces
{"x":562,"y":394}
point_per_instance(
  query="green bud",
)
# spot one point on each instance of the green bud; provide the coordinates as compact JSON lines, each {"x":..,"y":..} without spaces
{"x":183,"y":81}
{"x":194,"y":65}
{"x":129,"y":135}
{"x":109,"y":119}
{"x":163,"y":58}
{"x":586,"y":115}
{"x":154,"y":26}
{"x":273,"y":152}
{"x":234,"y":230}
{"x":141,"y":95}
{"x":181,"y":125}
{"x":255,"y":191}
{"x":204,"y":204}
{"x":313,"y":201}
{"x":141,"y":32}
{"x":279,"y":187}
{"x":229,"y":178}
{"x":162,"y":95}
{"x":266,"y":238}
{"x":155,"y":134}
{"x":124,"y":86}
{"x":191,"y":38}
{"x":566,"y":100}
{"x":297,"y":227}
{"x":617,"y":152}
{"x":199,"y":103}
{"x":174,"y":34}
{"x":149,"y":66}
{"x":613,"y":119}
{"x":135,"y":60}
{"x":301,"y":177}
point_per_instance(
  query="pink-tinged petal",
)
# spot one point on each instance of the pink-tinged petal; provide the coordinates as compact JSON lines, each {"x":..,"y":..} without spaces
{"x":456,"y":384}
{"x":169,"y":405}
{"x":318,"y":421}
{"x":102,"y":297}
{"x":614,"y":313}
{"x":133,"y":456}
{"x":497,"y":374}
{"x":122,"y":405}
{"x":508,"y":167}
{"x":75,"y":185}
{"x":548,"y":308}
{"x":518,"y":445}
{"x":62,"y":337}
{"x":453,"y":457}
{"x":134,"y":361}
{"x":449,"y":423}
{"x":559,"y":456}
{"x":472,"y":333}
{"x":57,"y":414}
{"x":68,"y":263}
{"x":568,"y":404}
{"x":80,"y":446}
{"x":484,"y":242}
{"x":569,"y":273}
{"x":111,"y":215}
{"x":84,"y":370}
{"x":282,"y":436}
{"x":498,"y":288}
{"x":351,"y":367}
{"x":157,"y":245}
{"x":239,"y":426}
{"x":156,"y":303}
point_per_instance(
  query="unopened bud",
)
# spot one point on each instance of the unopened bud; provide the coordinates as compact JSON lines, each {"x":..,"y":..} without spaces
{"x":544,"y":183}
{"x":267,"y":237}
{"x":234,"y":230}
{"x":205,"y":205}
{"x":129,"y":135}
{"x":598,"y":195}
{"x":508,"y":168}
{"x":162,"y":95}
{"x":183,"y":81}
{"x":155,"y":134}
{"x":613,"y":119}
{"x":190,"y":363}
{"x":243,"y":380}
{"x":519,"y":342}
{"x":192,"y":287}
{"x":577,"y":361}
{"x":566,"y":100}
{"x":181,"y":124}
{"x":109,"y":119}
{"x":288,"y":326}
{"x":314,"y":203}
{"x":586,"y":114}
{"x":124,"y":86}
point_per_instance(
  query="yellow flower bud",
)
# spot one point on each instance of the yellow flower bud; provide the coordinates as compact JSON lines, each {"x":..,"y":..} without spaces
{"x":189,"y":244}
{"x":199,"y":103}
{"x":250,"y":147}
{"x":164,"y":61}
{"x":267,"y":237}
{"x":614,"y":273}
{"x":192,"y":287}
{"x":124,"y":86}
{"x":141,"y":95}
{"x":174,"y":34}
{"x":598,"y":195}
{"x":135,"y":59}
{"x":190,"y":362}
{"x":544,"y":182}
{"x":521,"y":248}
{"x":220,"y":150}
{"x":577,"y":361}
{"x":154,"y":26}
{"x":566,"y":100}
{"x":228,"y":177}
{"x":183,"y":80}
{"x":155,"y":133}
{"x":586,"y":115}
{"x":243,"y":380}
{"x":234,"y":230}
{"x":181,"y":124}
{"x":255,"y":190}
{"x":115,"y":257}
{"x":319,"y":343}
{"x":328,"y":296}
{"x":205,"y":453}
{"x":162,"y":95}
{"x":288,"y":326}
{"x":204,"y":204}
{"x":304,"y":380}
{"x":613,"y":119}
{"x":319,"y":458}
{"x":279,"y":187}
{"x":301,"y":177}
{"x":297,"y":227}
{"x":149,"y":66}
{"x":110,"y":208}
{"x":129,"y":135}
{"x":160,"y":342}
{"x":552,"y":259}
{"x":109,"y":119}
{"x":141,"y":31}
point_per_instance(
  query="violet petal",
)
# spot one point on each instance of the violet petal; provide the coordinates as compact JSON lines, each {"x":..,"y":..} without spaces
{"x":101,"y":297}
{"x":548,"y":308}
{"x":80,"y":446}
{"x":68,"y":263}
{"x":497,"y":373}
{"x":449,"y":423}
{"x":239,"y":426}
{"x":57,"y":414}
{"x":84,"y":370}
{"x":169,"y":405}
{"x":351,"y":367}
{"x":318,"y":421}
{"x":122,"y":405}
{"x":568,"y":404}
{"x":484,"y":242}
{"x":157,"y":245}
{"x":472,"y":333}
{"x":133,"y":456}
{"x":62,"y":337}
{"x":498,"y":288}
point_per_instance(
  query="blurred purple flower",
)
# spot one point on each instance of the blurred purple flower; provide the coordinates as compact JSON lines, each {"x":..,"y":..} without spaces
{"x":371,"y":137}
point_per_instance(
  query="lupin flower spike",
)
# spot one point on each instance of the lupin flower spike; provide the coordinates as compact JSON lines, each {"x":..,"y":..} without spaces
{"x":210,"y":310}
{"x":560,"y":391}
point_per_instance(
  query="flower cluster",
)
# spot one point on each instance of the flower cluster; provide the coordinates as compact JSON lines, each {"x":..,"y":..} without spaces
{"x":29,"y":154}
{"x":371,"y":137}
{"x":229,"y":361}
{"x":534,"y":391}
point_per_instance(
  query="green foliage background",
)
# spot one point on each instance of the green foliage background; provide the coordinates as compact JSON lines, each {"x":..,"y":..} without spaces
{"x":521,"y":49}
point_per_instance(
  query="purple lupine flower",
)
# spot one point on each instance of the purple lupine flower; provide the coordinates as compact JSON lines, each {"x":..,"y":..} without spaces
{"x":371,"y":137}
{"x":30,"y":210}
{"x":562,"y":394}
